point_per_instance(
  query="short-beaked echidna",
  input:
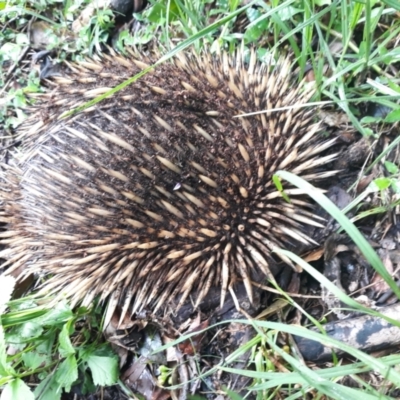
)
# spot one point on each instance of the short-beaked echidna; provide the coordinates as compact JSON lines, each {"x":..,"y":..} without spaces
{"x":161,"y":191}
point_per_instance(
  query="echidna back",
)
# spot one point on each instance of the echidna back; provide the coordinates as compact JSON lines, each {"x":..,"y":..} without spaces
{"x":161,"y":190}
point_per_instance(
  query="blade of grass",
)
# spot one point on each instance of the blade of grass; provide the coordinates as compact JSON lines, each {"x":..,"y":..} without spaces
{"x":333,"y":288}
{"x":373,"y":363}
{"x":363,"y":245}
{"x":293,"y":378}
{"x":392,"y":3}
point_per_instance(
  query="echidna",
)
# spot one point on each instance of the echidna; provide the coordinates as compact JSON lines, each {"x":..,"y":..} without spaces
{"x":162,"y":190}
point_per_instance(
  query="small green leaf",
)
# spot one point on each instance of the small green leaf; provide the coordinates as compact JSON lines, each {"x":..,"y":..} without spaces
{"x":104,"y":369}
{"x":381,"y":183}
{"x":254,"y":31}
{"x":17,"y":390}
{"x":31,"y":330}
{"x":33,"y":360}
{"x":158,"y":12}
{"x":391,"y":84}
{"x":67,"y":373}
{"x":46,"y":345}
{"x":370,"y":120}
{"x":391,"y":167}
{"x":10,"y":51}
{"x":19,"y":100}
{"x":396,"y":186}
{"x":65,"y":348}
{"x":368,"y":132}
{"x":60,"y":314}
{"x":21,"y":39}
{"x":288,"y":12}
{"x":392,"y":117}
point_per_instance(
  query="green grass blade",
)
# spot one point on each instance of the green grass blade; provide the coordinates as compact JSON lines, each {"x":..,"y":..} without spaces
{"x":365,"y":248}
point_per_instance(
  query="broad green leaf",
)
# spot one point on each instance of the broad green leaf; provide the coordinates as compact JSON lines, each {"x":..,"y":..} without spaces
{"x":31,"y":329}
{"x":65,"y":348}
{"x":391,"y":167}
{"x":21,"y":39}
{"x":67,"y":373}
{"x":33,"y":359}
{"x":288,"y":12}
{"x":10,"y":51}
{"x":48,"y":389}
{"x":17,"y":390}
{"x":104,"y":369}
{"x":158,"y":12}
{"x":392,"y":117}
{"x":61,"y":313}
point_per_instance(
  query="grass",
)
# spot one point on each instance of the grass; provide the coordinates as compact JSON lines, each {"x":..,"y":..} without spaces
{"x":352,"y":49}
